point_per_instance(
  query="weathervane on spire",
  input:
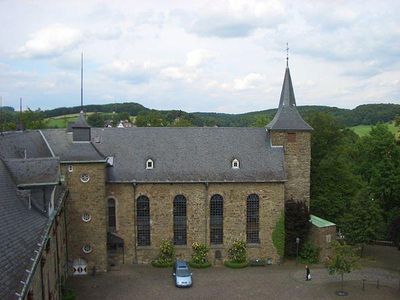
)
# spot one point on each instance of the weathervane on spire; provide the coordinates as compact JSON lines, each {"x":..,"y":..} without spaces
{"x":287,"y":55}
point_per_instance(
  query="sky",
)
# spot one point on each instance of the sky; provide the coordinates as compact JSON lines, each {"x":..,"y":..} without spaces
{"x":211,"y":56}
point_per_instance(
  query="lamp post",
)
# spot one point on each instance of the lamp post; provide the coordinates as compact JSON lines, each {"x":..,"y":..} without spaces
{"x":297,"y":249}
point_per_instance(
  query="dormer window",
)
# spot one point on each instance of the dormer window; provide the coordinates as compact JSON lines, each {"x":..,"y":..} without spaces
{"x":149,"y":164}
{"x":235,"y":164}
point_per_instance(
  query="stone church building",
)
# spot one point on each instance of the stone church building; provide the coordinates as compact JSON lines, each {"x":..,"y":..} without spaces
{"x":125,"y":190}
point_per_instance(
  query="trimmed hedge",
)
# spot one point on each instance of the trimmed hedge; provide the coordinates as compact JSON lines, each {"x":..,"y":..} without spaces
{"x":235,"y":265}
{"x":199,"y":266}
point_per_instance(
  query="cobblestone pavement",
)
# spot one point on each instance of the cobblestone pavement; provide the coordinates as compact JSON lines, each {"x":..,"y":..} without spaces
{"x":272,"y":282}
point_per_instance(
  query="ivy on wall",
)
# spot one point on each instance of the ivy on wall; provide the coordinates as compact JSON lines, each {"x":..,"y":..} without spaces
{"x":278,"y":235}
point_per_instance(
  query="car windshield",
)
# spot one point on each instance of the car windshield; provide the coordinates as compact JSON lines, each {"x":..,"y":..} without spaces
{"x":182,"y":273}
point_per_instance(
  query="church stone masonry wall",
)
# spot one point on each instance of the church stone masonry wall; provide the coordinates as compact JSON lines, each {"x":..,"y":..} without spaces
{"x":198,"y":198}
{"x":297,"y":163}
{"x":87,"y":197}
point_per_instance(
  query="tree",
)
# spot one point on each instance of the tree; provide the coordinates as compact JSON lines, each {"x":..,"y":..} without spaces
{"x":363,"y":221}
{"x":33,"y":119}
{"x":261,"y":121}
{"x":297,"y":225}
{"x":344,"y":260}
{"x":96,"y":120}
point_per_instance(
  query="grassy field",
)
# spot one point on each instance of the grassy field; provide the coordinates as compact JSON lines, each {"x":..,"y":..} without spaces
{"x":62,"y":121}
{"x":362,"y":130}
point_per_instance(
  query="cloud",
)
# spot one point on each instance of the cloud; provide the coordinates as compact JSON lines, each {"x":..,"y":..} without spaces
{"x":251,"y":81}
{"x":130,"y":71}
{"x":196,"y":60}
{"x":231,"y":19}
{"x":198,"y":57}
{"x":50,"y":42}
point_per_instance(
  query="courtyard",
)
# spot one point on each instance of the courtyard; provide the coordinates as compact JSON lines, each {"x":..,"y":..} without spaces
{"x":271,"y":282}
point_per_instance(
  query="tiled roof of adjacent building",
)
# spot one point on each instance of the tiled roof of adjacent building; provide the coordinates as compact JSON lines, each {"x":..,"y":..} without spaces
{"x":34,"y":171}
{"x":63,"y":147}
{"x":287,"y":117}
{"x":21,"y":230}
{"x":190,"y":154}
{"x":19,"y":144}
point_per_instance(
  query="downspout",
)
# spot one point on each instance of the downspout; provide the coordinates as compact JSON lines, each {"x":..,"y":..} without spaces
{"x":205,"y":213}
{"x":135,"y":222}
{"x":58,"y":262}
{"x":66,"y":235}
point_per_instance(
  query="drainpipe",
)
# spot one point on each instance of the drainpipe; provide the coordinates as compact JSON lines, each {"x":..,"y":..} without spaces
{"x":135,"y":222}
{"x":58,"y":260}
{"x":205,"y":213}
{"x":41,"y":277}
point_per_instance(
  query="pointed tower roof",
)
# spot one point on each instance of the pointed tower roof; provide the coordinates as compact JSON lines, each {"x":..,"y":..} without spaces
{"x":80,"y":121}
{"x":287,"y":117}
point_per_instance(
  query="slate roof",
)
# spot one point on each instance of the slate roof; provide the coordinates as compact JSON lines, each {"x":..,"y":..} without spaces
{"x":34,"y":171}
{"x":80,"y":122}
{"x":21,"y":230}
{"x":287,"y":117}
{"x":63,"y":147}
{"x":13,"y":144}
{"x":190,"y":154}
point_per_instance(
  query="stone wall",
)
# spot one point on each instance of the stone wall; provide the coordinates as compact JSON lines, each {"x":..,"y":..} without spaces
{"x":198,"y":197}
{"x":322,"y":238}
{"x":297,"y":163}
{"x":50,"y":272}
{"x":88,"y":198}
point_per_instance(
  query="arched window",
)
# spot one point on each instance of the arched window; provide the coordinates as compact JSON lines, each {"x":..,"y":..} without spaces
{"x":149,"y":164}
{"x":143,"y":221}
{"x":253,"y":215}
{"x":112,"y":219}
{"x":216,"y":219}
{"x":180,"y":220}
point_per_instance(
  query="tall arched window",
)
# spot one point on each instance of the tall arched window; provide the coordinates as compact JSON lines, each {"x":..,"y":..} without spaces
{"x":253,"y":216}
{"x":143,"y":221}
{"x":216,"y":219}
{"x":180,"y":220}
{"x":112,"y":220}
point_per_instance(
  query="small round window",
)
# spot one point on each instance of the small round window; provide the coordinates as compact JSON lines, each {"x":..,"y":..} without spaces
{"x":87,"y":248}
{"x":70,"y":168}
{"x":85,"y":177}
{"x":86,"y":217}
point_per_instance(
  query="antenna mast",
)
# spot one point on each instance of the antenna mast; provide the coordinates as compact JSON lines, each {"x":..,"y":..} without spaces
{"x":287,"y":55}
{"x":82,"y":81}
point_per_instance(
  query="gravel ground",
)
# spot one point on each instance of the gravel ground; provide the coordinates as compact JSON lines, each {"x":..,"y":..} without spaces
{"x":272,"y":282}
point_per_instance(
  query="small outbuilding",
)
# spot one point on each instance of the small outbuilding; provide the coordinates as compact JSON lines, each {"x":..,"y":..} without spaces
{"x":322,"y":234}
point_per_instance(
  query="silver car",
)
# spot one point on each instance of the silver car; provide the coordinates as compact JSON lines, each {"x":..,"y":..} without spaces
{"x":182,"y":275}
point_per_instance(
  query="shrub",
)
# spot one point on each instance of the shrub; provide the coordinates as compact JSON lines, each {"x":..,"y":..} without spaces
{"x":278,"y":236}
{"x":166,"y":256}
{"x":68,"y":294}
{"x":235,"y":265}
{"x":200,"y":254}
{"x":237,"y":252}
{"x":199,"y":266}
{"x":309,"y":253}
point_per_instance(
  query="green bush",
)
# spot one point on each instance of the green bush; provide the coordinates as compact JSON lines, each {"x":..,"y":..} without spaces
{"x":309,"y":253}
{"x":278,"y":236}
{"x":235,"y":265}
{"x":237,"y":252}
{"x":68,"y":294}
{"x":166,"y":256}
{"x":200,"y":254}
{"x":199,"y":266}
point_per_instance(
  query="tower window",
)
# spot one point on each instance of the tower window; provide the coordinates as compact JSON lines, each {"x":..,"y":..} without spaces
{"x":86,"y":217}
{"x":70,"y":168}
{"x":143,"y":221}
{"x":235,"y":164}
{"x":253,"y":224}
{"x":149,"y":164}
{"x":216,"y":219}
{"x":291,"y":137}
{"x":179,"y":220}
{"x":87,"y":248}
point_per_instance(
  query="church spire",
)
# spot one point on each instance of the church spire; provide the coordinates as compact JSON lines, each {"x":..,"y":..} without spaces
{"x":287,"y":117}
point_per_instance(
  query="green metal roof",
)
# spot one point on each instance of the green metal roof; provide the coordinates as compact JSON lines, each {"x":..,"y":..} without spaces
{"x":319,"y":222}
